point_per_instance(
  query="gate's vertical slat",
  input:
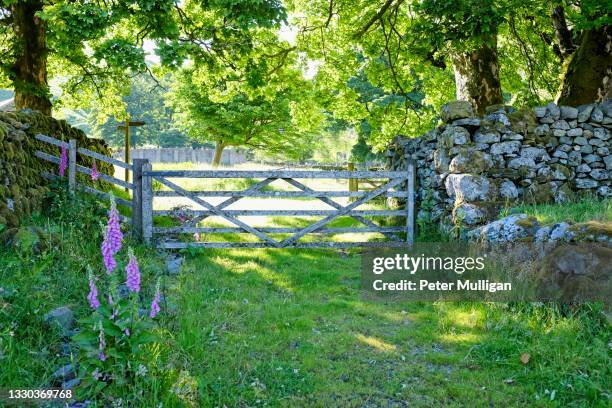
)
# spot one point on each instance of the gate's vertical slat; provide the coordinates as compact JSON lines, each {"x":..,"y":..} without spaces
{"x":137,"y":197}
{"x":410,"y":202}
{"x":72,"y":158}
{"x":147,"y":203}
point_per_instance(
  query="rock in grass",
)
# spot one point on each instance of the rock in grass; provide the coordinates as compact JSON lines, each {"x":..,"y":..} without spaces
{"x":62,"y":318}
{"x":173,"y":265}
{"x":64,"y":373}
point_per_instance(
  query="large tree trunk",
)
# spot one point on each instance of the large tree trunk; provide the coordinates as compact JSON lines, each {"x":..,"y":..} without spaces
{"x":477,"y":77}
{"x":218,"y":152}
{"x":29,"y":74}
{"x":588,"y":77}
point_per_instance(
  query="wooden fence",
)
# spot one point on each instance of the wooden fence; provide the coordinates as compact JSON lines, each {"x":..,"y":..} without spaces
{"x":399,"y":184}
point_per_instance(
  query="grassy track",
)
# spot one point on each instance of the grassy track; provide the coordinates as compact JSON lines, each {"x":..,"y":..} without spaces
{"x":288,"y":328}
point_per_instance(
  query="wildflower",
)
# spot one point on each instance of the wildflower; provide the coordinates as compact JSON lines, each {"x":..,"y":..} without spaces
{"x":196,"y":236}
{"x":155,"y":303}
{"x":101,"y":345}
{"x":127,"y":331}
{"x":63,"y":161}
{"x":133,"y":273}
{"x":92,"y":296}
{"x":94,"y":171}
{"x":96,"y":374}
{"x":107,"y":255}
{"x":114,"y":236}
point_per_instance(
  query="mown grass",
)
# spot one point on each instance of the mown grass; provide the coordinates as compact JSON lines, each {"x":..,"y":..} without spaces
{"x":586,"y":209}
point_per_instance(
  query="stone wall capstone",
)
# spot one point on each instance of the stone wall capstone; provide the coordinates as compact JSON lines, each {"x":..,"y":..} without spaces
{"x":470,"y":167}
{"x":22,"y":189}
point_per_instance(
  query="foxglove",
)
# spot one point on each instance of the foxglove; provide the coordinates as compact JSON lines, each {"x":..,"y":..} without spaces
{"x":63,"y":161}
{"x":133,"y":273}
{"x":101,"y":345}
{"x":94,"y":171}
{"x":155,"y":303}
{"x":114,"y":236}
{"x":107,"y":255}
{"x":92,"y":296}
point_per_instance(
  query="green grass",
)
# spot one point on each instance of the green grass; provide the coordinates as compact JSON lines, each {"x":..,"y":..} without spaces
{"x":588,"y":209}
{"x":288,"y":328}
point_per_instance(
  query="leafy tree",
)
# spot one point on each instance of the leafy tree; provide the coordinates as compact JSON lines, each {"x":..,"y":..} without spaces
{"x":94,"y":47}
{"x":278,"y":122}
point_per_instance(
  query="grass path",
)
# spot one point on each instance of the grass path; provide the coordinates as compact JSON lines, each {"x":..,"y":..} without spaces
{"x":288,"y":328}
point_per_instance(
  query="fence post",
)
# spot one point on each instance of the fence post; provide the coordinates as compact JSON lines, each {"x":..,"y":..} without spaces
{"x":147,"y":203}
{"x":352,"y":183}
{"x":137,"y":197}
{"x":72,"y":156}
{"x":410,"y":201}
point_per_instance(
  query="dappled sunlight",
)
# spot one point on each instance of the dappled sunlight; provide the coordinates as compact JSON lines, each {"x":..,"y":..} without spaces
{"x":378,"y":344}
{"x":460,"y":337}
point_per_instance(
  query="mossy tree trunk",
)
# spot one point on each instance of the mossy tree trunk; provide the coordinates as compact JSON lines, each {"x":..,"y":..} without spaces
{"x":29,"y":74}
{"x":477,"y":76}
{"x":588,"y":77}
{"x":219,"y":146}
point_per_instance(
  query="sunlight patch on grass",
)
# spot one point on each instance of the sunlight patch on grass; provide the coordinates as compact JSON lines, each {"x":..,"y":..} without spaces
{"x":376,"y":343}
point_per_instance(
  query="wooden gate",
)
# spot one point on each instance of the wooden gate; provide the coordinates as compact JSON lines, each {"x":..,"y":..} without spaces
{"x":399,"y":184}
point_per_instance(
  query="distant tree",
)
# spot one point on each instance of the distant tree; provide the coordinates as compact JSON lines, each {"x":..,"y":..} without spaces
{"x":277,"y":121}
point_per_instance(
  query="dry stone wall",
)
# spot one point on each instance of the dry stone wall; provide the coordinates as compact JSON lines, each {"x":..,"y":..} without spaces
{"x":22,"y":189}
{"x":470,"y":167}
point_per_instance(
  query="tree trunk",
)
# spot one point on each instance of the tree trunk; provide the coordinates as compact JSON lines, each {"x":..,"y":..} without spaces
{"x":477,"y":77}
{"x":29,"y":74}
{"x":588,"y":77}
{"x":218,"y":152}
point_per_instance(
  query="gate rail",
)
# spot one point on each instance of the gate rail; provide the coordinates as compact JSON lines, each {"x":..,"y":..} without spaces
{"x":400,"y":184}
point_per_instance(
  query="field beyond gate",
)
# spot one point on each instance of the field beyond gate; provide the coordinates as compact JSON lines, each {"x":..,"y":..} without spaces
{"x":397,"y":185}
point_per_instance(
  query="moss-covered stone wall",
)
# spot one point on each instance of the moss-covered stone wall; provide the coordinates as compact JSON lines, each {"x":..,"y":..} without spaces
{"x":22,"y":189}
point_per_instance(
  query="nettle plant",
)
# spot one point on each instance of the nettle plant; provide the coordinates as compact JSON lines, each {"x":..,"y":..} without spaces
{"x":114,"y":338}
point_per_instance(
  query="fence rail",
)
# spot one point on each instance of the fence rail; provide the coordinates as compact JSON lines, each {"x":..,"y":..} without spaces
{"x":388,"y":184}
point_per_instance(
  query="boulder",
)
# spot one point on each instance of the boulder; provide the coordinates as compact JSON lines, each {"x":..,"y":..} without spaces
{"x":508,"y":190}
{"x":560,"y":172}
{"x":468,"y":187}
{"x":506,"y":147}
{"x":62,"y":318}
{"x":567,"y":112}
{"x":584,"y":112}
{"x":585,"y":183}
{"x":508,"y":229}
{"x":487,"y":136}
{"x":470,"y":161}
{"x":456,"y":110}
{"x":454,"y":135}
{"x":469,"y":214}
{"x":539,"y":193}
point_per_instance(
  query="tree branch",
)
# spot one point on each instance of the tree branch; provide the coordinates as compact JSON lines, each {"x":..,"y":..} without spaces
{"x":375,"y":18}
{"x":563,"y":34}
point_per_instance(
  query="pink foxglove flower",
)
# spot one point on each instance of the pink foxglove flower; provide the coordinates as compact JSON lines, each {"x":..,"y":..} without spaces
{"x":107,"y":255}
{"x":92,"y":296}
{"x":94,"y":171}
{"x":155,"y":303}
{"x":101,"y":344}
{"x":114,"y":236}
{"x":63,"y":161}
{"x":133,"y":273}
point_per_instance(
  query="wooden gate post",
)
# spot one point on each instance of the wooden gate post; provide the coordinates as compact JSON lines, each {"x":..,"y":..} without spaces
{"x":410,"y":201}
{"x":137,"y":197}
{"x":72,"y":157}
{"x":147,"y":203}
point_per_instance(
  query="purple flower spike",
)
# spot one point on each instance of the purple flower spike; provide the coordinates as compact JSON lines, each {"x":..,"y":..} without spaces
{"x":63,"y":161}
{"x":94,"y":171}
{"x":155,"y":303}
{"x":92,"y":296}
{"x":101,"y":344}
{"x":107,"y":256}
{"x":114,"y":236}
{"x":133,"y":273}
